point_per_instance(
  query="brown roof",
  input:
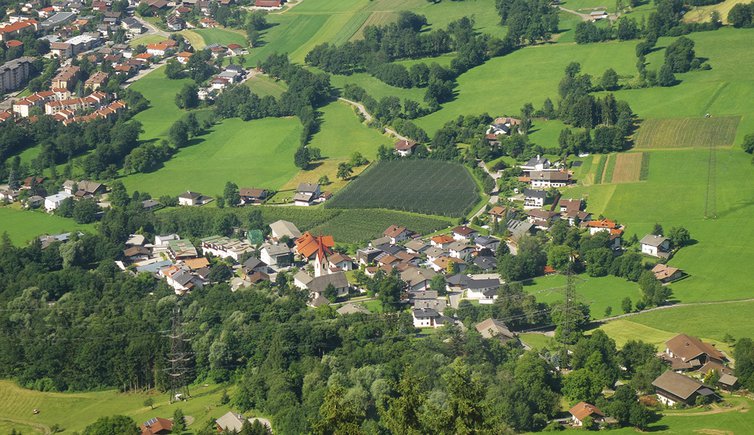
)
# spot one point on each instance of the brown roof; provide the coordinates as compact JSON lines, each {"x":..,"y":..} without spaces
{"x":677,"y":385}
{"x":267,"y":3}
{"x":307,"y":245}
{"x":156,"y":426}
{"x":405,"y":145}
{"x":393,"y":231}
{"x":583,"y":410}
{"x":603,"y":223}
{"x":498,"y":211}
{"x":570,"y":204}
{"x":442,"y":239}
{"x":14,"y":43}
{"x":663,"y":271}
{"x":196,"y":263}
{"x":687,"y":348}
{"x":549,"y":175}
{"x":257,"y":193}
{"x":463,"y":230}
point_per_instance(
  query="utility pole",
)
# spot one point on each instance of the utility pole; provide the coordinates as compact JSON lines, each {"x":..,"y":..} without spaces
{"x":178,"y":359}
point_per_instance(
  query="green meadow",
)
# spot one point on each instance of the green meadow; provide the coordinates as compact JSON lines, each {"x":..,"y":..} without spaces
{"x":162,"y":111}
{"x":23,"y":225}
{"x":222,"y":36}
{"x":254,"y":153}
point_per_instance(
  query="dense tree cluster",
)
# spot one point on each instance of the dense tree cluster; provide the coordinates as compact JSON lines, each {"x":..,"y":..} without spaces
{"x":589,"y":31}
{"x":741,"y":15}
{"x":528,"y":21}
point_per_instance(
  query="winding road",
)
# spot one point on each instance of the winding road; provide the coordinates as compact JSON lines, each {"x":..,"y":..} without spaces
{"x":368,"y":118}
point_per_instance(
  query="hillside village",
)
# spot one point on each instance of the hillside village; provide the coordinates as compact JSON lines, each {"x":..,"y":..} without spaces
{"x":271,"y":216}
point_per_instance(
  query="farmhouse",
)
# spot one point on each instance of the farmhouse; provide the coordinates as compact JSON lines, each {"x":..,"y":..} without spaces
{"x":493,"y":328}
{"x":582,"y":410}
{"x":281,"y":228}
{"x":656,"y":246}
{"x":157,"y":426}
{"x":673,"y":388}
{"x":83,"y":188}
{"x":685,"y":352}
{"x":666,"y":274}
{"x":405,"y":148}
{"x":549,"y":179}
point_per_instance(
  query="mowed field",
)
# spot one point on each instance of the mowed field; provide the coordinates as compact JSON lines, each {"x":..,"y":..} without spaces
{"x":23,"y":225}
{"x":361,"y":226}
{"x":257,"y":153}
{"x":222,"y":36}
{"x":627,"y":168}
{"x":74,"y":411}
{"x":687,"y":132}
{"x":162,"y":111}
{"x":421,"y":186}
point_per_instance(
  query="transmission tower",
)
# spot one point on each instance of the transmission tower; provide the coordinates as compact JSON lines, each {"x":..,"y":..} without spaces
{"x":710,"y":203}
{"x":569,"y":296}
{"x":178,"y":358}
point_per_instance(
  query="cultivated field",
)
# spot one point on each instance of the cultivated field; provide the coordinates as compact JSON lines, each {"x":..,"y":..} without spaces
{"x":254,"y":153}
{"x":379,"y":18}
{"x":701,"y":14}
{"x":222,"y":36}
{"x":687,"y":132}
{"x":422,"y":186}
{"x":352,"y":226}
{"x":22,"y":226}
{"x":627,"y":168}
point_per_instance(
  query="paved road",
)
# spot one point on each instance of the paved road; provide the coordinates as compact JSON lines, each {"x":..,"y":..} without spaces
{"x":494,"y":198}
{"x":151,"y":29}
{"x":368,"y":118}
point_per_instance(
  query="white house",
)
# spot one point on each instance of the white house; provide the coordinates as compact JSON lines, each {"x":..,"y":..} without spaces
{"x":536,"y":164}
{"x":534,"y":198}
{"x":549,"y":179}
{"x":276,"y":255}
{"x":396,"y":234}
{"x":52,"y":202}
{"x":483,"y":290}
{"x":191,"y":199}
{"x":306,"y":194}
{"x":426,"y":318}
{"x":405,"y":148}
{"x":582,"y":410}
{"x":463,"y":233}
{"x":460,"y":250}
{"x":656,"y":246}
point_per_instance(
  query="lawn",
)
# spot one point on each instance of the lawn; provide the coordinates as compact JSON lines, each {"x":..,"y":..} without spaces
{"x":342,"y":133}
{"x":687,"y":132}
{"x":222,"y":36}
{"x":74,"y":411}
{"x":598,"y":293}
{"x":254,"y":153}
{"x":422,"y":186}
{"x":353,"y":226}
{"x":146,"y":40}
{"x":22,"y":225}
{"x":162,"y":111}
{"x":264,"y":85}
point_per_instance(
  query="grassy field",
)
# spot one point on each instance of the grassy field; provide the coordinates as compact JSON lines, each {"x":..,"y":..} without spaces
{"x":74,"y":411}
{"x":22,"y":225}
{"x":222,"y":36}
{"x":162,"y":111}
{"x":263,"y":86}
{"x":702,"y":14}
{"x":687,"y":132}
{"x":146,"y":40}
{"x":424,"y":186}
{"x":254,"y":153}
{"x":627,"y":168}
{"x":352,"y":226}
{"x":599,"y":293}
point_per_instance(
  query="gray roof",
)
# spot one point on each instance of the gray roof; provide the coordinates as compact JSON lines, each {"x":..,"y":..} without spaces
{"x":653,"y":240}
{"x":519,"y":228}
{"x":457,"y":280}
{"x":484,"y":241}
{"x":482,"y":283}
{"x":414,"y":276}
{"x":154,"y":267}
{"x":285,"y":228}
{"x":433,"y":304}
{"x":492,"y":327}
{"x":307,"y":187}
{"x":435,"y":252}
{"x":306,"y":197}
{"x":677,"y":384}
{"x":417,"y":245}
{"x":231,"y":421}
{"x":485,"y":263}
{"x":458,"y":246}
{"x":190,"y":195}
{"x":534,"y":193}
{"x":549,"y":175}
{"x":320,"y":283}
{"x":252,"y":263}
{"x":277,"y":250}
{"x":426,"y":313}
{"x":539,"y":160}
{"x":351,"y":308}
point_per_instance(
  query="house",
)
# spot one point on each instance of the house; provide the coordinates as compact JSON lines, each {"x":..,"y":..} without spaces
{"x":570,"y":210}
{"x":268,"y":4}
{"x":464,"y":233}
{"x":233,"y":422}
{"x":136,"y":253}
{"x":83,"y":188}
{"x":498,"y":214}
{"x":541,"y":219}
{"x":276,"y":255}
{"x":175,"y":23}
{"x":178,"y":249}
{"x":404,"y":147}
{"x":10,"y":31}
{"x":503,"y":126}
{"x":367,"y":256}
{"x":426,"y":318}
{"x":443,"y":263}
{"x":281,"y":228}
{"x":728,"y":382}
{"x":549,"y":179}
{"x":441,"y":241}
{"x":483,"y":290}
{"x":157,"y":426}
{"x":319,"y":284}
{"x":236,"y":49}
{"x":309,"y":246}
{"x":96,"y":81}
{"x":132,"y":25}
{"x":253,"y":195}
{"x":598,"y":15}
{"x":396,"y":234}
{"x":306,"y":193}
{"x":656,"y":246}
{"x":191,"y":199}
{"x":183,"y":57}
{"x":52,"y":202}
{"x":534,"y":198}
{"x":460,"y":250}
{"x":150,"y":205}
{"x":666,"y":274}
{"x":582,"y":410}
{"x":485,"y":263}
{"x":673,"y":388}
{"x":181,"y":279}
{"x":417,"y":279}
{"x":436,"y":304}
{"x":252,"y":265}
{"x":536,"y":164}
{"x":493,"y":328}
{"x":687,"y":352}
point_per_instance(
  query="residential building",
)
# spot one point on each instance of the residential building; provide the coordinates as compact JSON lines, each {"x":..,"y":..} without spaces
{"x":306,"y":194}
{"x":189,"y":198}
{"x":549,"y":179}
{"x":656,"y":246}
{"x":268,"y":4}
{"x":460,"y":250}
{"x":253,"y":195}
{"x":58,"y":20}
{"x":281,"y":228}
{"x":673,"y":388}
{"x":582,"y":410}
{"x":83,"y":188}
{"x":404,"y":147}
{"x":487,"y":242}
{"x":483,"y":290}
{"x":157,"y":426}
{"x":12,"y":30}
{"x":15,"y":73}
{"x":417,"y":279}
{"x":66,"y":78}
{"x":52,"y":202}
{"x":175,"y":23}
{"x":225,"y":247}
{"x":132,"y":25}
{"x":534,"y":198}
{"x":278,"y":255}
{"x":687,"y":352}
{"x":464,"y":233}
{"x":96,"y":81}
{"x":181,"y":249}
{"x":498,"y":214}
{"x":428,"y":318}
{"x":538,"y":163}
{"x":493,"y":328}
{"x":666,"y":274}
{"x":183,"y":57}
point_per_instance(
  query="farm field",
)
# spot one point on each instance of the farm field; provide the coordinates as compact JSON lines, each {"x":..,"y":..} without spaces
{"x":254,"y":153}
{"x":687,"y":132}
{"x":627,"y":168}
{"x":701,"y":14}
{"x":74,"y":411}
{"x":22,"y":226}
{"x":146,"y":40}
{"x":599,"y":293}
{"x":422,"y":186}
{"x":353,"y":226}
